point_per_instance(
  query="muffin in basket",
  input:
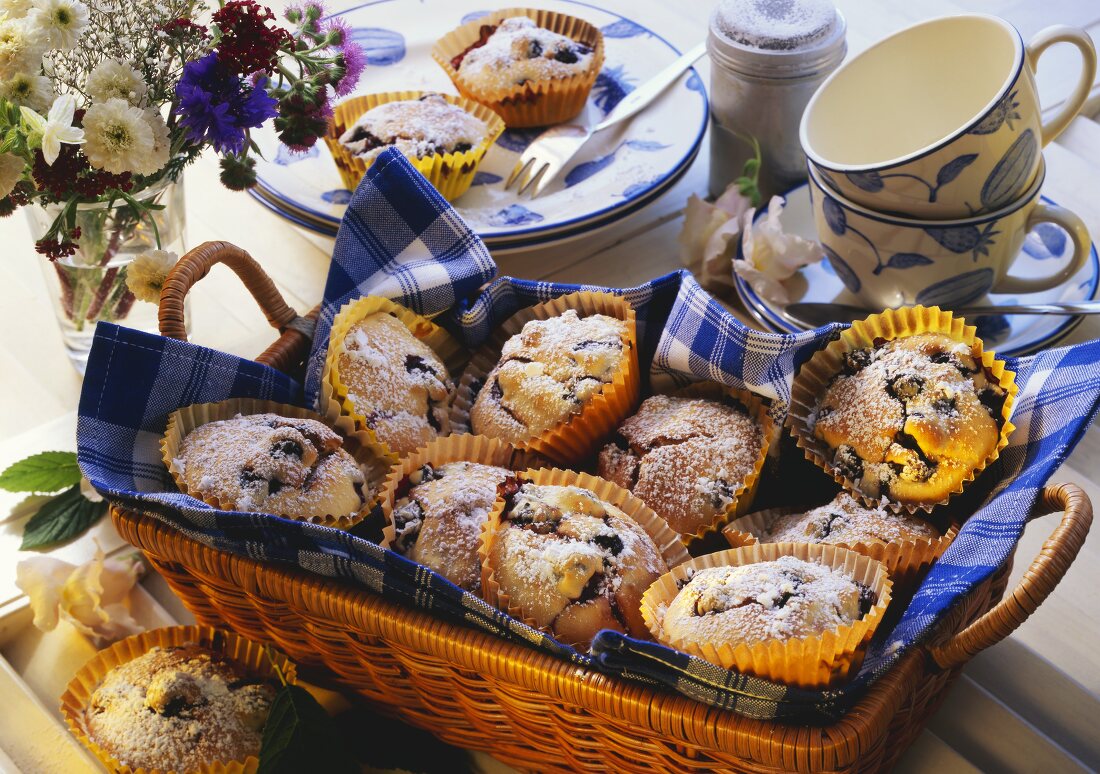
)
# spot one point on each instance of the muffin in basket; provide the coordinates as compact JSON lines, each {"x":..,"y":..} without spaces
{"x":846,"y":520}
{"x":692,"y":459}
{"x":533,"y":68}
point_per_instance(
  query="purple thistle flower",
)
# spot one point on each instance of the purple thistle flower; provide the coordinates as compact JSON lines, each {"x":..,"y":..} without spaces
{"x":217,"y":107}
{"x":355,"y":61}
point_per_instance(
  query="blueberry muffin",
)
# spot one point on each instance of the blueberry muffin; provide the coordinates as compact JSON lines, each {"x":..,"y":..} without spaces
{"x":686,"y":458}
{"x":572,"y":563}
{"x":395,"y":382}
{"x":438,"y":516}
{"x":547,"y":373}
{"x":910,"y":419}
{"x":770,"y":600}
{"x":296,"y":468}
{"x":517,"y":51}
{"x":178,"y":709}
{"x":847,"y":520}
{"x":420,"y":127}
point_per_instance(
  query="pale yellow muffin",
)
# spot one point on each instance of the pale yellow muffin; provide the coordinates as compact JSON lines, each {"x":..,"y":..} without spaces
{"x":573,"y":563}
{"x":516,"y":52}
{"x":396,"y":382}
{"x":439,"y":514}
{"x":177,"y":709}
{"x":686,"y":458}
{"x":546,"y":373}
{"x":272,"y":464}
{"x":911,"y":419}
{"x":847,"y":520}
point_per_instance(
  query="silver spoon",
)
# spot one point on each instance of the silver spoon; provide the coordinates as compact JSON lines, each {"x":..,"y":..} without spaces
{"x":816,"y":314}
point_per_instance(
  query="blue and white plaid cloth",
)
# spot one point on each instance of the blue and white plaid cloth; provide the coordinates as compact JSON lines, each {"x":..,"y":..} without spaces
{"x":401,"y":239}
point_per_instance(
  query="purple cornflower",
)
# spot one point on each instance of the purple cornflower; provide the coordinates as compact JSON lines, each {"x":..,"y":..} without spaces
{"x":217,"y":107}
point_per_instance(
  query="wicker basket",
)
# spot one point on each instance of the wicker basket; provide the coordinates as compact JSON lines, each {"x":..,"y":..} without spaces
{"x":529,"y":709}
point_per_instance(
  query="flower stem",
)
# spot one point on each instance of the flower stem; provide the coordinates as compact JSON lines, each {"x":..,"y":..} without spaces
{"x":105,"y":287}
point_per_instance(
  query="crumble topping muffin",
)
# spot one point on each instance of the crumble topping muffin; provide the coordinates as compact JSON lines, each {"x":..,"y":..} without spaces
{"x":546,"y":373}
{"x":518,"y":51}
{"x":439,"y":514}
{"x":573,"y":563}
{"x":422,"y":127}
{"x":177,"y":709}
{"x":396,"y":382}
{"x":771,"y":600}
{"x":847,"y":520}
{"x":271,"y":464}
{"x":686,"y":458}
{"x":910,"y":419}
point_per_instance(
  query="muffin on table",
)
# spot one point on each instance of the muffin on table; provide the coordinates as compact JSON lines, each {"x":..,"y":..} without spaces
{"x":420,"y":127}
{"x":687,"y":458}
{"x":177,"y":709}
{"x":571,"y":563}
{"x":910,"y":419}
{"x":268,"y":463}
{"x":847,"y":520}
{"x":439,"y":514}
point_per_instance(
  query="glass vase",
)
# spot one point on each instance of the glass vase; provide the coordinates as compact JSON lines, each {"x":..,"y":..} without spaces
{"x":90,"y":285}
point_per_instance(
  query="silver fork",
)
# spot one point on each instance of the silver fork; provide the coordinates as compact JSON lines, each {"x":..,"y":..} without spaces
{"x":548,"y":154}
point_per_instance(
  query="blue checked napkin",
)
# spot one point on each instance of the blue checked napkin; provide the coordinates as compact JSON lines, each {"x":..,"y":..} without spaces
{"x":401,"y":239}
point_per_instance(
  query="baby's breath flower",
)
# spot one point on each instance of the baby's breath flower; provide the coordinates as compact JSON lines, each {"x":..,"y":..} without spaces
{"x":11,"y":172}
{"x":146,"y":274}
{"x":61,"y":21}
{"x":118,"y":138}
{"x":111,"y":79}
{"x":34,"y":91}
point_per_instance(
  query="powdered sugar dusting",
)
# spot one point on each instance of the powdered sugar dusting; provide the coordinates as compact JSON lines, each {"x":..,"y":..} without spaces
{"x":778,"y":25}
{"x":519,"y":51}
{"x":847,"y":520}
{"x":418,"y":128}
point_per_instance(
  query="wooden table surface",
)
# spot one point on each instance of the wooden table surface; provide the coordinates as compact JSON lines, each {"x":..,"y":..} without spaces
{"x":1027,"y":704}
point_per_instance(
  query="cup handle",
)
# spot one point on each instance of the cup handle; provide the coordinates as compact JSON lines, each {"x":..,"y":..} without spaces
{"x":1061,"y":33}
{"x":1082,"y":245}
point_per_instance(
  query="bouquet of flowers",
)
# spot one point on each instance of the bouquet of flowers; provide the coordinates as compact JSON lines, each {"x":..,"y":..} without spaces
{"x":103,"y":103}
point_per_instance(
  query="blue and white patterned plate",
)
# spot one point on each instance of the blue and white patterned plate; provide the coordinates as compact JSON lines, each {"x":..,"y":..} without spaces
{"x":618,"y":172}
{"x":1009,"y":335}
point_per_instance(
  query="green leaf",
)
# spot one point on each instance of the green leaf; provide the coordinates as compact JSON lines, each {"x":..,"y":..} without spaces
{"x":300,"y":736}
{"x":62,"y":518}
{"x":49,"y":471}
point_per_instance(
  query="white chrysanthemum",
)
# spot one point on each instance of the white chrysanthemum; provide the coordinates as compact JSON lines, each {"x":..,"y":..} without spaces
{"x":34,"y":91}
{"x":117,"y":137}
{"x":61,"y":21}
{"x":21,"y":48}
{"x":14,"y":9}
{"x":11,"y":172}
{"x":111,"y":79}
{"x":146,"y":274}
{"x":162,"y":143}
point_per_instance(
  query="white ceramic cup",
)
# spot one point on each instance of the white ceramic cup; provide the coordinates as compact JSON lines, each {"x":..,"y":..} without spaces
{"x":941,"y":120}
{"x":887,"y":261}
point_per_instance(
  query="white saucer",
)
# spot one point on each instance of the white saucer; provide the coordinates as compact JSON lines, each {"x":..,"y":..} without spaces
{"x":1009,"y":335}
{"x":618,"y":172}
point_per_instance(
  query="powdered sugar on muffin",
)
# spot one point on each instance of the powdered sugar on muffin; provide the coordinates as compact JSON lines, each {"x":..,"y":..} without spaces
{"x":419,"y":127}
{"x":518,"y":51}
{"x":847,"y":520}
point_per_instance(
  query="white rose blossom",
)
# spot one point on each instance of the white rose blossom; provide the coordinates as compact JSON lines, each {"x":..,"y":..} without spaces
{"x":21,"y":47}
{"x":707,"y":238}
{"x":11,"y":172}
{"x":34,"y":91}
{"x":56,"y":128}
{"x":61,"y":21}
{"x":146,"y":274}
{"x":111,"y":79}
{"x":771,"y":255}
{"x":118,"y":138}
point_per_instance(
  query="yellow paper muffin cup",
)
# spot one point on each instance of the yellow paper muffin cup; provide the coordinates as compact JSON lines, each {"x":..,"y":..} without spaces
{"x":535,"y":103}
{"x":450,"y":173}
{"x":373,"y":458}
{"x":249,"y":656}
{"x":906,"y":561}
{"x":579,"y":435}
{"x":806,"y":662}
{"x":452,"y":448}
{"x":668,"y":541}
{"x":813,"y":380}
{"x":337,"y":407}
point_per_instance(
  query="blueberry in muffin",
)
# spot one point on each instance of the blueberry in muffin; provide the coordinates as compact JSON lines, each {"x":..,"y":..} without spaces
{"x":910,"y":419}
{"x":573,"y":563}
{"x":395,"y":382}
{"x":548,"y":372}
{"x":296,"y":468}
{"x":438,"y":516}
{"x":418,"y":128}
{"x":847,"y":520}
{"x":686,"y":458}
{"x":518,"y":51}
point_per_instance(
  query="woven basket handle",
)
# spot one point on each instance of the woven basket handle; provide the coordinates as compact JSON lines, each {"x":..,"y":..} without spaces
{"x":1059,"y":551}
{"x":197,"y":263}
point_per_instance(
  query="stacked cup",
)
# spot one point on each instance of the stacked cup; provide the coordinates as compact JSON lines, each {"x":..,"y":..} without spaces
{"x":925,"y":163}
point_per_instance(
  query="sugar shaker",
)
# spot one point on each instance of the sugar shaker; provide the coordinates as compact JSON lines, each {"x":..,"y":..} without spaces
{"x":768,"y":57}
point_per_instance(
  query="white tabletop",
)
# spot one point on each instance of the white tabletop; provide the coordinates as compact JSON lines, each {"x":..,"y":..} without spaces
{"x":1029,"y":703}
